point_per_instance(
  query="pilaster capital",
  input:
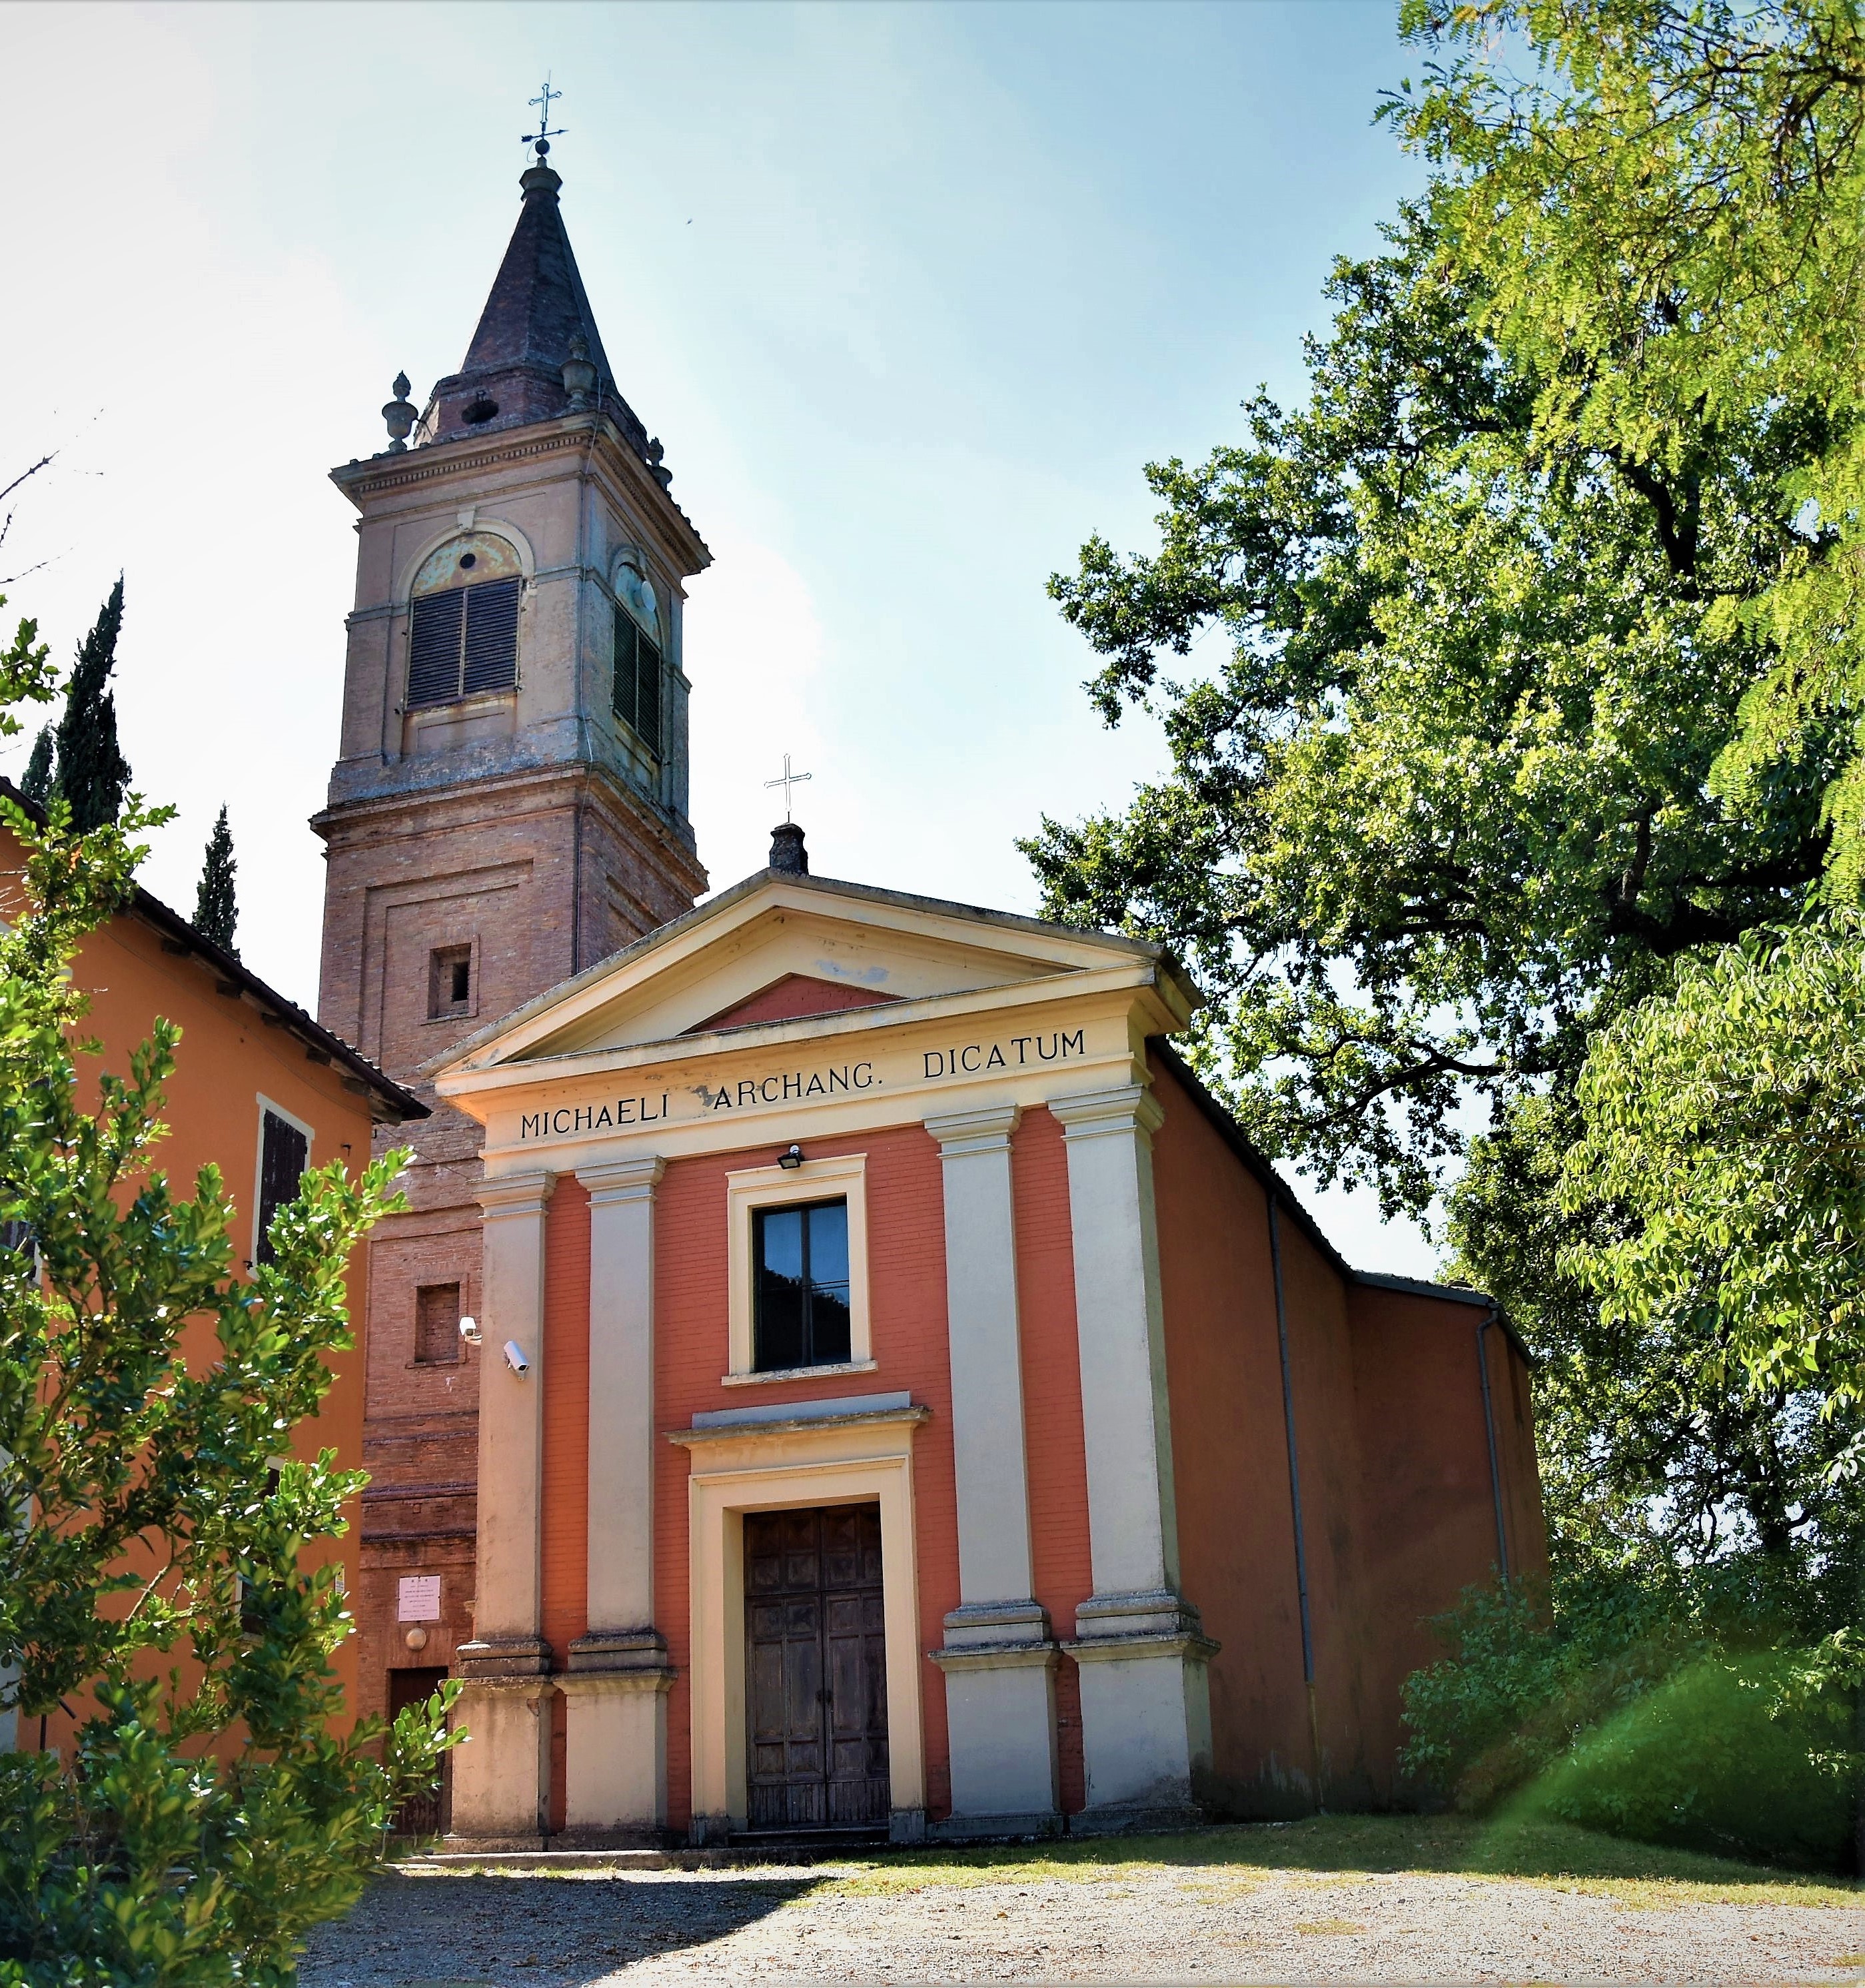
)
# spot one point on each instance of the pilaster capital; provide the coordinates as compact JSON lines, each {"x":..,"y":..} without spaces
{"x":623,"y":1180}
{"x":1094,"y":1114}
{"x":987,"y":1129}
{"x":514,"y":1194}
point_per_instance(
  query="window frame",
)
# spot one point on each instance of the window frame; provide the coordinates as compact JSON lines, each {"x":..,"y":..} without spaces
{"x":462,"y":693}
{"x":448,"y":1011}
{"x":842,"y":1177}
{"x":259,"y":1164}
{"x":625,"y":618}
{"x":761,"y":1217}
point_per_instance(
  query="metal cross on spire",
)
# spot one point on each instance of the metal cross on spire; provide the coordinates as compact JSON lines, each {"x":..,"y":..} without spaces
{"x":541,"y":137}
{"x":787,"y":780}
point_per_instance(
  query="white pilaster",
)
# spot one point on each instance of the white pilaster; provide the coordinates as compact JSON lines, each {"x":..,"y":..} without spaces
{"x":1145,"y":1718}
{"x":998,"y":1659}
{"x":616,"y":1690}
{"x":502,"y":1772}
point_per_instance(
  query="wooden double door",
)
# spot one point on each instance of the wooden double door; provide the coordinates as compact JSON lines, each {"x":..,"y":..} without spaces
{"x":815,"y":1668}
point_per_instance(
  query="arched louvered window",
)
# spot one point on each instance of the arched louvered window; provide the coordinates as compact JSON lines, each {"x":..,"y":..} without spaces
{"x":462,"y":641}
{"x":638,"y":659}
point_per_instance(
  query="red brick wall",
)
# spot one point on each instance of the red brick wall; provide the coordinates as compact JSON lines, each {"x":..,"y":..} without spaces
{"x":1231,"y":1456}
{"x":907,"y":1303}
{"x":1052,"y":1410}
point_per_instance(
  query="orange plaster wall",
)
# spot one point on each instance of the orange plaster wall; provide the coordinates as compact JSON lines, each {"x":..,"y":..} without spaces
{"x":1055,"y":1446}
{"x":1231,"y":1456}
{"x":226,"y":1058}
{"x":907,"y":1303}
{"x":1428,"y":1507}
{"x":1429,"y":1502}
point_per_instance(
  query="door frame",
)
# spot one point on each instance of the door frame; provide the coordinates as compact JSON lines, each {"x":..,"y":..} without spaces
{"x":746,"y":1468}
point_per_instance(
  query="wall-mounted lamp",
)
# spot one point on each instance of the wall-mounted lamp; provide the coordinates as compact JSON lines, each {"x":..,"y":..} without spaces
{"x":469,"y":1331}
{"x":790,"y":1158}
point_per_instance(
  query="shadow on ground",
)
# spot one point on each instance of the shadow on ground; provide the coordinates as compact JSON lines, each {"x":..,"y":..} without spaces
{"x":534,"y":1931}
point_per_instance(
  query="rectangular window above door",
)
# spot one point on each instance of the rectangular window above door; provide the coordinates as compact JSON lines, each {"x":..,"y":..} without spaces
{"x":800,"y":1260}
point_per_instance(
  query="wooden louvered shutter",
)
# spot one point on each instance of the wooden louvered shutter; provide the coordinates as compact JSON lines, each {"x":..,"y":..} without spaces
{"x":434,"y":649}
{"x":627,"y":636}
{"x":647,"y":695}
{"x":284,"y":1153}
{"x":492,"y":637}
{"x":638,"y":681}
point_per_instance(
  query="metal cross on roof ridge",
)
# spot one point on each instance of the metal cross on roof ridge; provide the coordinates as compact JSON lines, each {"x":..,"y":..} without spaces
{"x":787,"y":780}
{"x":541,"y":137}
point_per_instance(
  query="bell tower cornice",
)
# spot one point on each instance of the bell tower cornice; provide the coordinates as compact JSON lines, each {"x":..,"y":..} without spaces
{"x":479,"y":462}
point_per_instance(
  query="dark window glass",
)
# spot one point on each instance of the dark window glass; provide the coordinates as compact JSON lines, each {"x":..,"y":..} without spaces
{"x":638,"y":681}
{"x":462,"y":641}
{"x":284,"y":1152}
{"x":801,"y":1259}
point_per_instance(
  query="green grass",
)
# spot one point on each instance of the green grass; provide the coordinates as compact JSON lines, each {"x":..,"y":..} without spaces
{"x":1544,"y":1852}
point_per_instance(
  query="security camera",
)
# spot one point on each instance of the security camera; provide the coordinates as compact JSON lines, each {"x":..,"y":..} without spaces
{"x":514,"y":1358}
{"x":469,"y":1331}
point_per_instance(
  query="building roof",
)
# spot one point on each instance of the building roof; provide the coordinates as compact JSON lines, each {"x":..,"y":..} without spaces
{"x":536,"y":311}
{"x":390,"y":1104}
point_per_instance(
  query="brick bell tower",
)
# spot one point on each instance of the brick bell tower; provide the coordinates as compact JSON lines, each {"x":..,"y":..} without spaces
{"x":507,"y":807}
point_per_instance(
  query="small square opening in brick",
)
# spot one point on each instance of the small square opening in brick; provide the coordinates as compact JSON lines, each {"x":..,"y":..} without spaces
{"x":436,"y":1324}
{"x":449,"y":981}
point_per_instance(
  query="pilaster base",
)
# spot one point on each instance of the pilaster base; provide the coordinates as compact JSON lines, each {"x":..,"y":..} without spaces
{"x":1146,"y":1710}
{"x":1000,"y":1669}
{"x":615,"y":1740}
{"x":502,"y":1770}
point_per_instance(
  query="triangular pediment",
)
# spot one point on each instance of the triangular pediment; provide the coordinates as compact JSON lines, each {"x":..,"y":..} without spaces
{"x":778,"y":950}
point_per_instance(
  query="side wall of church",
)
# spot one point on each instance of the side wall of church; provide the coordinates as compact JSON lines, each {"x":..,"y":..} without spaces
{"x":1428,"y":1503}
{"x":907,"y":1299}
{"x":1230,"y":1457}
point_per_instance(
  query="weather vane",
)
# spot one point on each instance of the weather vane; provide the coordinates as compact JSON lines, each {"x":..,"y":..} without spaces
{"x":542,"y":137}
{"x":787,"y":780}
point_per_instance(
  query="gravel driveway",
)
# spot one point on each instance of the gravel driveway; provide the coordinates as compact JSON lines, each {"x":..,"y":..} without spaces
{"x":1145,"y":1924}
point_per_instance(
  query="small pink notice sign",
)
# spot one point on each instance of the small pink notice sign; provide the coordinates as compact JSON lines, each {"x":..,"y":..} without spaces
{"x":418,"y":1598}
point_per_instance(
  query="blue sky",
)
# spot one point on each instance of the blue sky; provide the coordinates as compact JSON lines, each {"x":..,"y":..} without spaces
{"x":910,"y":293}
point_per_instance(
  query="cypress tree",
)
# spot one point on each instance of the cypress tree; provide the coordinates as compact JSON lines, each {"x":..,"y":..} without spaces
{"x":35,"y":782}
{"x":92,"y":774}
{"x":215,"y":913}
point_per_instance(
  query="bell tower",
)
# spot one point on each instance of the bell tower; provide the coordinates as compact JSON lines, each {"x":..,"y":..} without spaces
{"x":507,"y":807}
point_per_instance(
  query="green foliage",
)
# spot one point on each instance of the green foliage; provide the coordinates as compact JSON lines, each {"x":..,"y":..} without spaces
{"x":1724,"y":1119}
{"x":216,"y":914}
{"x":36,"y":782}
{"x":93,"y":776}
{"x":1446,"y":804}
{"x":1670,"y":213}
{"x":1705,"y":1709}
{"x":209,"y":1815}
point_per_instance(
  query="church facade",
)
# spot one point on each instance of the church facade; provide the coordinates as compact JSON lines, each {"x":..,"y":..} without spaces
{"x":900,"y":1400}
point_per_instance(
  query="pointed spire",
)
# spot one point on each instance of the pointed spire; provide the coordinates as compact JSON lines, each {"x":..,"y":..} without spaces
{"x":536,"y":343}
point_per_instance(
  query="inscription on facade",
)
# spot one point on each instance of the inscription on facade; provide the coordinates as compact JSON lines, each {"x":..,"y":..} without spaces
{"x":976,"y":1056}
{"x":569,"y":1119}
{"x":795,"y":1086}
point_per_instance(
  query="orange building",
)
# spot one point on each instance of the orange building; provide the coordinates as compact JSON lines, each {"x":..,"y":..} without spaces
{"x":260,"y":1090}
{"x":907,"y":1403}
